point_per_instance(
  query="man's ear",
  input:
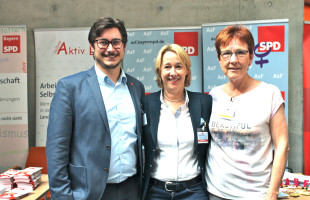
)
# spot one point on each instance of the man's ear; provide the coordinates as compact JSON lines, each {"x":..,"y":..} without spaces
{"x":92,"y":50}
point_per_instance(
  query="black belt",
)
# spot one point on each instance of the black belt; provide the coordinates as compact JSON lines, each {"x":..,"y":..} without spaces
{"x":173,"y":186}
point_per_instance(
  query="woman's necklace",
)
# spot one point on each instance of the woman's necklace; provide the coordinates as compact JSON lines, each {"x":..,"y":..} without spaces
{"x":176,"y":99}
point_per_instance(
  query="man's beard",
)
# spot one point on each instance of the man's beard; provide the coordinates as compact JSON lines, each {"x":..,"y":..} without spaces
{"x":105,"y":66}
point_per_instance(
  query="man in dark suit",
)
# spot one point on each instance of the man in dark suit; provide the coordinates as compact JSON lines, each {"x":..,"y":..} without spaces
{"x":94,"y":133}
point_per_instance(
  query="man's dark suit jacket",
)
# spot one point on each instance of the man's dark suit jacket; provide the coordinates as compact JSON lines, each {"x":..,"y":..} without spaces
{"x":200,"y":106}
{"x":78,"y":144}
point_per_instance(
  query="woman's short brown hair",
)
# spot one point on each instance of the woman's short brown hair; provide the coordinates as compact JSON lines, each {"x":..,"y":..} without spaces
{"x":235,"y":31}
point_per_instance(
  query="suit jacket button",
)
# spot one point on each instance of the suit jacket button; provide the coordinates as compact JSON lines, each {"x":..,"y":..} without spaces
{"x":108,"y":147}
{"x":106,"y":169}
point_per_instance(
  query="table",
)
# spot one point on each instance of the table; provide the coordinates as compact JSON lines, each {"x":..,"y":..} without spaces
{"x":301,"y":197}
{"x":291,"y":176}
{"x":43,"y":188}
{"x":40,"y":191}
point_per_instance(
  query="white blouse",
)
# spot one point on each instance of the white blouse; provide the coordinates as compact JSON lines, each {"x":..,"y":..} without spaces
{"x":174,"y":158}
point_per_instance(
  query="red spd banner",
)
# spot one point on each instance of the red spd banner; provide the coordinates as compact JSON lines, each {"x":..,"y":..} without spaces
{"x":190,"y":46}
{"x":271,"y":37}
{"x":11,"y":43}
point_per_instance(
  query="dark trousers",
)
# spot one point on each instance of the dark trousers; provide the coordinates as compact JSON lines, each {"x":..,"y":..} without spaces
{"x":126,"y":190}
{"x":195,"y":192}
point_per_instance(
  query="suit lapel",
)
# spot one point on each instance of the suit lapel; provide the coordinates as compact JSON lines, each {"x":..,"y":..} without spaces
{"x":94,"y":86}
{"x":194,"y":106}
{"x":135,"y":99}
{"x":154,"y":110}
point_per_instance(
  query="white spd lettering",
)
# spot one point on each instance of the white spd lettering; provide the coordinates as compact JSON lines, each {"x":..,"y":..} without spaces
{"x":189,"y":50}
{"x":7,"y":49}
{"x":267,"y":45}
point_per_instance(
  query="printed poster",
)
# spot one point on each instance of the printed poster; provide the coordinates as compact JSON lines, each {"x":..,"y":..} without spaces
{"x":144,"y":44}
{"x":270,"y":63}
{"x":59,"y":53}
{"x":62,"y":52}
{"x":13,"y":97}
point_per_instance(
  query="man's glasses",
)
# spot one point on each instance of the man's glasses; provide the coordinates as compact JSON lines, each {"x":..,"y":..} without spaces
{"x":240,"y":54}
{"x":103,"y":43}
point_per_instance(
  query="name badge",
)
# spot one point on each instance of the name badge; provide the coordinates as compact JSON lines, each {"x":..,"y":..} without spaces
{"x":227,"y":113}
{"x":202,"y":136}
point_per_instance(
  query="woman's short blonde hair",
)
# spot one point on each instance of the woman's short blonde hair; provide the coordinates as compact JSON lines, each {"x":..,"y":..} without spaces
{"x":183,"y":57}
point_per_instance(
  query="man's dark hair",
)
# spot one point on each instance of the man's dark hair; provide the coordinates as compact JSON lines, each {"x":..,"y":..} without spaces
{"x":104,"y":23}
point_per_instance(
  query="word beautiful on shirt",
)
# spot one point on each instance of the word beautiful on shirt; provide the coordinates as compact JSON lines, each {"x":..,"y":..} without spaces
{"x":236,"y":135}
{"x":230,"y":126}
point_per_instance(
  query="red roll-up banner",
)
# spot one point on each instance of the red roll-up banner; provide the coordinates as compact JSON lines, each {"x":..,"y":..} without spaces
{"x":306,"y":78}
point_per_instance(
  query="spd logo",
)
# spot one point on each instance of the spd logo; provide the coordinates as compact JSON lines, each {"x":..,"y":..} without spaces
{"x":187,"y":40}
{"x":271,"y":37}
{"x":11,"y":44}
